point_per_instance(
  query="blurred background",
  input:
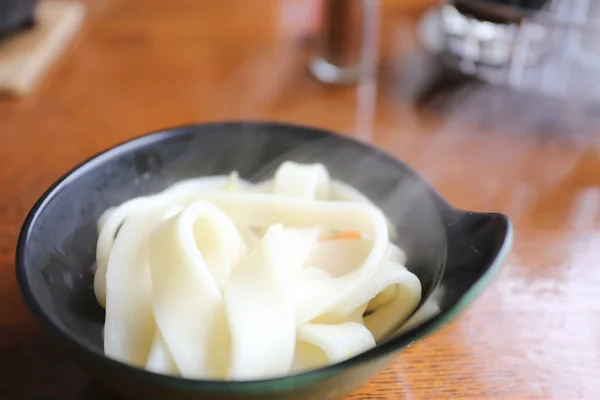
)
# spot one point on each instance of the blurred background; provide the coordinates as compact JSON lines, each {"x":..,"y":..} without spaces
{"x":495,"y":102}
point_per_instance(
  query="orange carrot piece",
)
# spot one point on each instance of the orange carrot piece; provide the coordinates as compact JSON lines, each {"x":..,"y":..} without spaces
{"x":345,"y":235}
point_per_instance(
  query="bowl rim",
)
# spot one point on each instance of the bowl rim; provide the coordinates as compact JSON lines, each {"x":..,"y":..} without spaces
{"x":291,"y":381}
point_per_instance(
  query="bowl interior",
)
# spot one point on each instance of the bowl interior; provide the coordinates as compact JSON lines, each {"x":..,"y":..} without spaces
{"x":57,"y":247}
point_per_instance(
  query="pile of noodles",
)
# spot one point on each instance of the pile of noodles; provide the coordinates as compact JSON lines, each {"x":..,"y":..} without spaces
{"x":217,"y":278}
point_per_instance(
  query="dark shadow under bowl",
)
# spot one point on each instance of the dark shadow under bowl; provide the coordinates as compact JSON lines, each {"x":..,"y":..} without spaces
{"x":56,"y":248}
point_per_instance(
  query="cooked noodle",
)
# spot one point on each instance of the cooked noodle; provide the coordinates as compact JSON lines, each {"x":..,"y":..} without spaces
{"x":217,"y":278}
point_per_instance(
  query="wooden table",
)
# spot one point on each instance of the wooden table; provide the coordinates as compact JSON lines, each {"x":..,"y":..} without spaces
{"x":141,"y":65}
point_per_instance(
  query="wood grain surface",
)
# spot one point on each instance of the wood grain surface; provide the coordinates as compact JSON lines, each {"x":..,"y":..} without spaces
{"x":141,"y":65}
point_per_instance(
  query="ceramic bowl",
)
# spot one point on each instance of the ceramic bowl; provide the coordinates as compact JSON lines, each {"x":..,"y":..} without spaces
{"x":457,"y":251}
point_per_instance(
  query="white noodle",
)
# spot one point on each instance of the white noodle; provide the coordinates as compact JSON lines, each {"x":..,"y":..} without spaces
{"x":160,"y":359}
{"x":216,"y":278}
{"x":260,"y":313}
{"x":338,"y":342}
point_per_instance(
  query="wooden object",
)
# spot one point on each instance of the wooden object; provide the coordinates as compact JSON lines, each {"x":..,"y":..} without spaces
{"x":27,"y":55}
{"x":146,"y":64}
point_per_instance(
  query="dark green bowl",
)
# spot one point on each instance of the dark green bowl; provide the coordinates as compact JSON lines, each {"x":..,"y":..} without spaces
{"x":461,"y":251}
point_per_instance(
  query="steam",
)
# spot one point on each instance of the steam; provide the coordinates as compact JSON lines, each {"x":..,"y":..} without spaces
{"x":367,"y":85}
{"x":491,"y":149}
{"x":505,"y":147}
{"x":253,"y":89}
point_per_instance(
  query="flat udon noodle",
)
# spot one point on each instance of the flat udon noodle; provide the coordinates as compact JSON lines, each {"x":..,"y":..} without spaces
{"x":318,"y":296}
{"x":392,"y":283}
{"x":312,"y":182}
{"x":408,"y":294}
{"x":260,"y":311}
{"x":396,"y":255}
{"x":389,"y":274}
{"x":429,"y":309}
{"x":111,"y":220}
{"x":335,"y":343}
{"x":189,"y":255}
{"x":326,"y":294}
{"x":307,"y":182}
{"x":160,"y":360}
{"x":129,"y":323}
{"x":108,"y":227}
